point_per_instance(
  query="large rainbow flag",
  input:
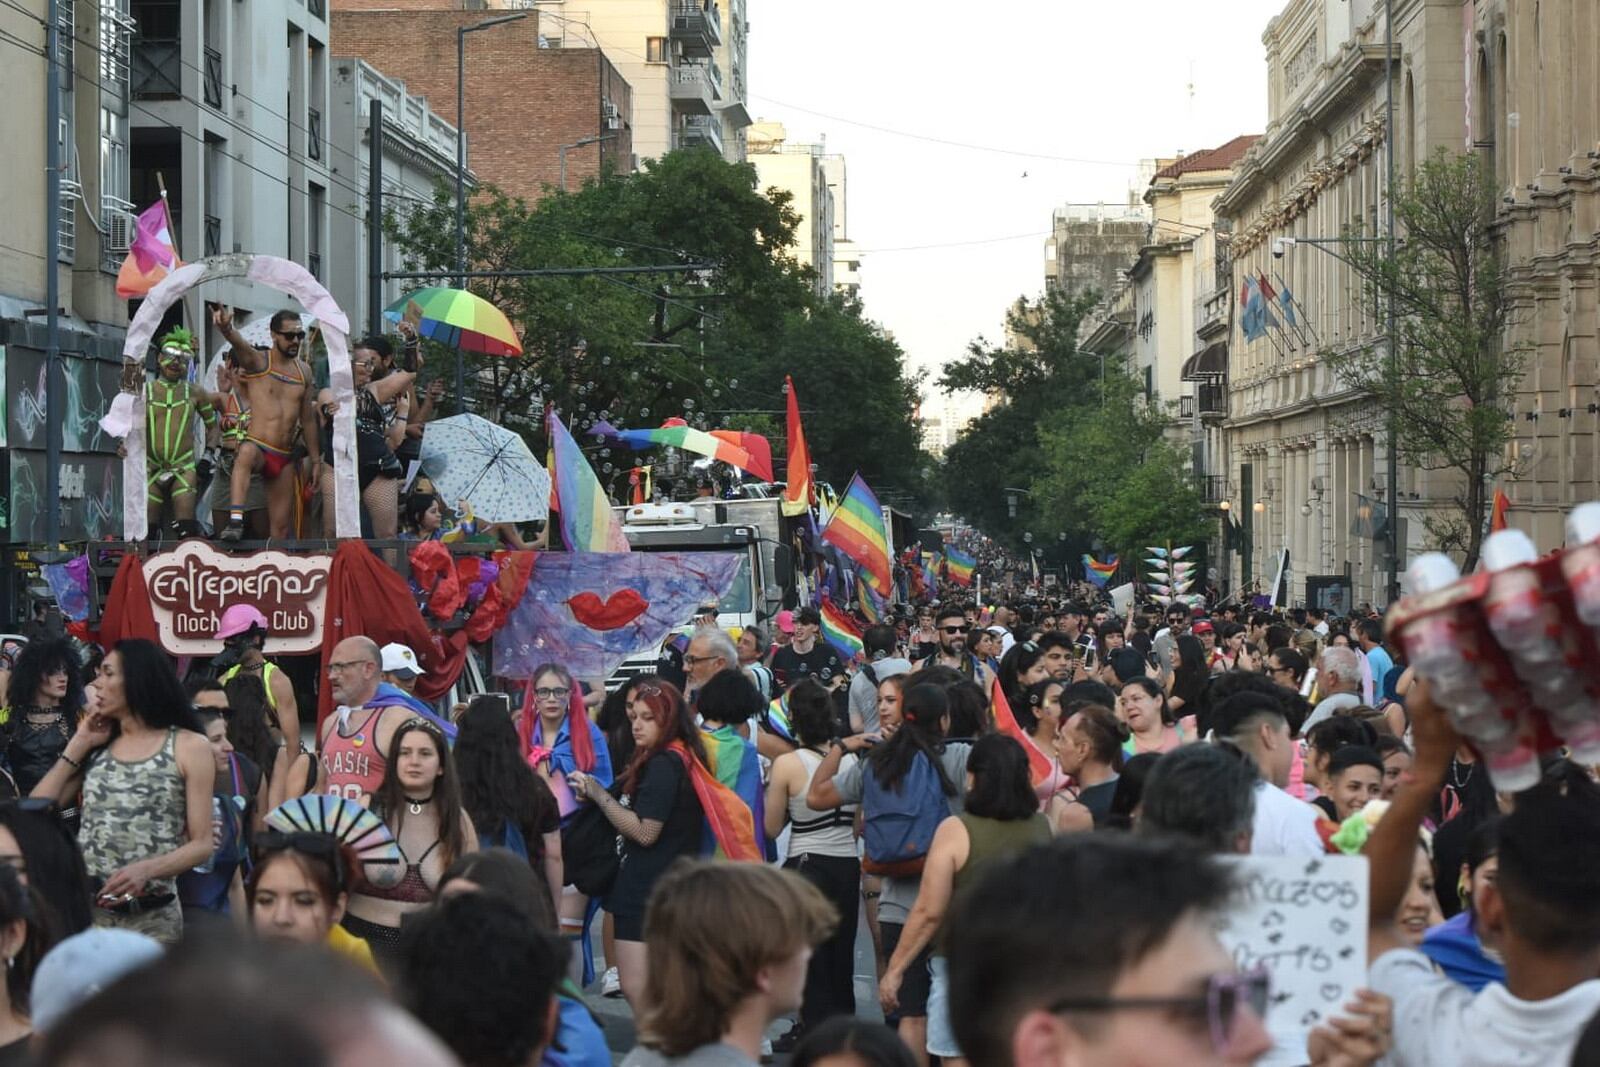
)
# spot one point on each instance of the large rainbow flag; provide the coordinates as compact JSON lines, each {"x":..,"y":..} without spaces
{"x":959,"y":566}
{"x":856,"y":529}
{"x":798,"y":492}
{"x":1097,"y":572}
{"x":872,"y":605}
{"x":587,"y":522}
{"x":839,"y":630}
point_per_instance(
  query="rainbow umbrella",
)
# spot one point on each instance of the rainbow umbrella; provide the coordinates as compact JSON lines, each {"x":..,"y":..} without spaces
{"x":460,"y":319}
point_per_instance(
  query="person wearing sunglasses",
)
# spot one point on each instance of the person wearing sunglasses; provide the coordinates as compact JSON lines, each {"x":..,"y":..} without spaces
{"x":297,"y":893}
{"x":172,"y":404}
{"x":953,"y":651}
{"x":277,"y":390}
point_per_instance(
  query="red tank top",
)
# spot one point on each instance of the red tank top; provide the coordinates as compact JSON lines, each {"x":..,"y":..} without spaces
{"x":354,"y":764}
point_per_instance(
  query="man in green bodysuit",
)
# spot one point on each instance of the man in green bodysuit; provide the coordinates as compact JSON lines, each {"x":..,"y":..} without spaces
{"x":171,"y":404}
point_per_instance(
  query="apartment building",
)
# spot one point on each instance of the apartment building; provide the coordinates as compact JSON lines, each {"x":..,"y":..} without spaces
{"x":801,"y":170}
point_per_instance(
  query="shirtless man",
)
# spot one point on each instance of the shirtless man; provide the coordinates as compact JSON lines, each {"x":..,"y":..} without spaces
{"x":277,"y":389}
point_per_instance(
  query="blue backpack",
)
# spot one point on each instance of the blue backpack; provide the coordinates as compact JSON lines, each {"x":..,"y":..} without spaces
{"x":898,"y":824}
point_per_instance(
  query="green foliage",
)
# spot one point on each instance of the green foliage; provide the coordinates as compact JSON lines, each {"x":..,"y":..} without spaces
{"x":1090,"y":452}
{"x":1450,"y":383}
{"x":710,"y":346}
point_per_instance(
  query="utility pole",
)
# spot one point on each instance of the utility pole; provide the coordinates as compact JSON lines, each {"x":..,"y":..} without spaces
{"x":1394,"y":355}
{"x":54,"y":387}
{"x":375,"y":217}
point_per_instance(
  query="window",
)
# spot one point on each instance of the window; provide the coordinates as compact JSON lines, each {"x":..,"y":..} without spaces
{"x":655,"y":49}
{"x":316,"y":196}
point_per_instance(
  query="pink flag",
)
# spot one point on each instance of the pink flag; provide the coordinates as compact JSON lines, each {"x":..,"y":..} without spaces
{"x":151,"y":255}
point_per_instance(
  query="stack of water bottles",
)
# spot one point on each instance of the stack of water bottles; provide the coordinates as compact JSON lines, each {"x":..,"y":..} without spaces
{"x":1513,"y":651}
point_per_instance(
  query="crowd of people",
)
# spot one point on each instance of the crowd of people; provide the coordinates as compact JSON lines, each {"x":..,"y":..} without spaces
{"x":1024,"y":808}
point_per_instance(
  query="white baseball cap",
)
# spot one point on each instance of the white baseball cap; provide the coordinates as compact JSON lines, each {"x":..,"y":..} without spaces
{"x":398,"y":657}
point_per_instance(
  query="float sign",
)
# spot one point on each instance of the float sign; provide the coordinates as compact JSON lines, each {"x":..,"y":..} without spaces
{"x":191,"y":586}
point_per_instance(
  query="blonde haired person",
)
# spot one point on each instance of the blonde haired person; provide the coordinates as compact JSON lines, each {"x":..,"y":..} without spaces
{"x":719,"y":969}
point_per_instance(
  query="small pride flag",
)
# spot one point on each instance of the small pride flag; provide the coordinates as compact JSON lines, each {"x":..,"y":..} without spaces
{"x":1097,"y":572}
{"x":959,"y":566}
{"x":840,"y":631}
{"x":856,"y":529}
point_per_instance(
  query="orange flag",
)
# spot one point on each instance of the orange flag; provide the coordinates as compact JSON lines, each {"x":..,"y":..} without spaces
{"x":1040,"y":766}
{"x":798,"y":494}
{"x":1497,"y":515}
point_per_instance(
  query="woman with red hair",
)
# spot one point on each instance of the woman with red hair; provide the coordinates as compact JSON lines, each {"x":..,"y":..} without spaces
{"x":671,"y":794}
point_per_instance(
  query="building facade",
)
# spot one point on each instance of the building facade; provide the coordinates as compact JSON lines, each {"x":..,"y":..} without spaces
{"x":802,"y":171}
{"x":418,"y":150}
{"x":686,"y":61}
{"x":1090,"y":245}
{"x":536,"y":116}
{"x":1305,"y":452}
{"x":846,"y":253}
{"x":92,"y":84}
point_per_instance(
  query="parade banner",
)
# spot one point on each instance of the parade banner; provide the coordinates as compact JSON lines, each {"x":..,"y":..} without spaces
{"x":191,"y":586}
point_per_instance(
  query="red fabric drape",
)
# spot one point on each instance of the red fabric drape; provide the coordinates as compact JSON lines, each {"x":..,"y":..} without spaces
{"x":127,"y":609}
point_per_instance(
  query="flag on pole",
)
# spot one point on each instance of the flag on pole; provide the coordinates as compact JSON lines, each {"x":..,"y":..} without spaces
{"x":798,"y":492}
{"x":930,"y":572}
{"x":840,"y":631}
{"x":1266,"y":288}
{"x":152,"y":254}
{"x":856,"y":529}
{"x":1286,"y":301}
{"x":871,"y":603}
{"x":1497,"y":515}
{"x":959,"y":566}
{"x":587,"y":522}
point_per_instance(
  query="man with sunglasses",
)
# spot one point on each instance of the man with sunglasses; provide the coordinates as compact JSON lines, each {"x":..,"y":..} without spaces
{"x":277,"y":389}
{"x":952,"y":629}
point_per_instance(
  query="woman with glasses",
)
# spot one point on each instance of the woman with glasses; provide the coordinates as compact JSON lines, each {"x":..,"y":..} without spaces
{"x":298,"y":890}
{"x":146,"y":776}
{"x":420,"y":800}
{"x":1143,"y":706}
{"x":378,"y":471}
{"x":662,"y":819}
{"x":41,"y":697}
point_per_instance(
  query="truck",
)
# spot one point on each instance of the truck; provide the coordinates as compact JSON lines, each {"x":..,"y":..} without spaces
{"x":752,"y":527}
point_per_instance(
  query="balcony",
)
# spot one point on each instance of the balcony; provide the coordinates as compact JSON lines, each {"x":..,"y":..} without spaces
{"x":213,"y":78}
{"x":157,"y":69}
{"x":1214,"y":309}
{"x":697,"y":27}
{"x":701,"y":131}
{"x":1211,"y":400}
{"x":690,"y":88}
{"x":1213,"y":487}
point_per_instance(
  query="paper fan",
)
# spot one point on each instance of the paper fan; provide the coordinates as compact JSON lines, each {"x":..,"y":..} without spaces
{"x":357,"y":828}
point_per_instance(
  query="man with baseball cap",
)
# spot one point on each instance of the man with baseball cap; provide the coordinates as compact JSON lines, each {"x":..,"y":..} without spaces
{"x":805,"y":656}
{"x":400,"y":666}
{"x":243,"y":633}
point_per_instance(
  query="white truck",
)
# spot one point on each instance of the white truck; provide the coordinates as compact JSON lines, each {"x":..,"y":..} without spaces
{"x":752,"y":528}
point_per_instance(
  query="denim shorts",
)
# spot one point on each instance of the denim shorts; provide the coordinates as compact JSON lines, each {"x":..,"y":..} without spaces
{"x":941,"y":1035}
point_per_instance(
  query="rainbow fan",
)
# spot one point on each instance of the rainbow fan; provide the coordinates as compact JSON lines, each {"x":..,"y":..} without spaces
{"x":355,"y":827}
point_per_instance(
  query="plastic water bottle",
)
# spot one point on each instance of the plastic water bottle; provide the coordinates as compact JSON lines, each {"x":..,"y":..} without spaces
{"x":210,"y":863}
{"x":1433,"y":642}
{"x":1520,"y":618}
{"x":1580,"y":564}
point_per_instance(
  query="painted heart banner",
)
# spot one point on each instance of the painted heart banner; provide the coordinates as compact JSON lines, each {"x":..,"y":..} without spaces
{"x":589,"y":611}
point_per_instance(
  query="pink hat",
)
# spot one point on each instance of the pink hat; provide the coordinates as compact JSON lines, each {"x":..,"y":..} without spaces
{"x":785,"y":621}
{"x":238,"y":619}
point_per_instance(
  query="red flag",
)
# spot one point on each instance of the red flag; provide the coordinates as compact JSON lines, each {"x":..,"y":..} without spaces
{"x":798,"y":494}
{"x":1266,"y":287}
{"x":1040,"y":766}
{"x":1497,"y":515}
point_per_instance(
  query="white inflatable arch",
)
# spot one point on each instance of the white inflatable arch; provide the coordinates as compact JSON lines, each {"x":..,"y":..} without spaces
{"x":285,"y":276}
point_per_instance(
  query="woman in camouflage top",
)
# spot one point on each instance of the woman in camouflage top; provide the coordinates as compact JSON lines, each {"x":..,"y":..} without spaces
{"x":146,"y":778}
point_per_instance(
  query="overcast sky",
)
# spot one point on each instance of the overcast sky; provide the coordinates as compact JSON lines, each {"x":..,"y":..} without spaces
{"x":1088,"y":89}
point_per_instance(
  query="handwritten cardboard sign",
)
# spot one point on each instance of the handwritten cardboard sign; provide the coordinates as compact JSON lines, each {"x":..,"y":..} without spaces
{"x":1304,"y":920}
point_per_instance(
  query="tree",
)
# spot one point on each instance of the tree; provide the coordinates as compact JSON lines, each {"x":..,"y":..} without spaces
{"x":711,"y":346}
{"x":1452,"y":376}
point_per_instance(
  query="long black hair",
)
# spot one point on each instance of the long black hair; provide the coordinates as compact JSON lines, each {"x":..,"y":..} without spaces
{"x":496,"y":783}
{"x":18,"y":904}
{"x":151,"y":688}
{"x":40,"y":659}
{"x":1002,"y":787}
{"x":922,"y":712}
{"x":810,"y":712}
{"x":612,"y":719}
{"x":1021,"y":658}
{"x":248,"y":732}
{"x":1026,"y":710}
{"x":55,"y":868}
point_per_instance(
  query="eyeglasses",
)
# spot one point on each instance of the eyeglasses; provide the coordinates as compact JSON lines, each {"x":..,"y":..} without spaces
{"x":1279,"y":670}
{"x":339,"y":668}
{"x":293,"y":335}
{"x":1218,"y":1007}
{"x":695,"y":661}
{"x":324,"y":847}
{"x":952,"y":629}
{"x":552,"y":693}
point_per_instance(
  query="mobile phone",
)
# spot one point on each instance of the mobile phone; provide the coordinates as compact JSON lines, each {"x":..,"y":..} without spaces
{"x":1080,"y":652}
{"x":501,"y":701}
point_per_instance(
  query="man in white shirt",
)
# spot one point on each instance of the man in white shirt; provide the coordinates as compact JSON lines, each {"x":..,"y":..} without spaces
{"x":1256,"y":722}
{"x":1543,"y":911}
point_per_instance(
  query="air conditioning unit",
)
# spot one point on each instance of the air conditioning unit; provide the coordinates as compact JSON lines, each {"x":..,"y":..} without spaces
{"x":121,"y":226}
{"x":612,"y":115}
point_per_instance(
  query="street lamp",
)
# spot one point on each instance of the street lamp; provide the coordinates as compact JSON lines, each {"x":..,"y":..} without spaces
{"x":579,"y":144}
{"x":1013,"y":496}
{"x":461,"y":171}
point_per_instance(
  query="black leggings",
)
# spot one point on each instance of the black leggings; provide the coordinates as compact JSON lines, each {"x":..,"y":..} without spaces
{"x":830,"y":977}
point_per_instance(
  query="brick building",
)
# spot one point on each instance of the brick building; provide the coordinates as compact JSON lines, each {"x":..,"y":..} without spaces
{"x":524,"y":103}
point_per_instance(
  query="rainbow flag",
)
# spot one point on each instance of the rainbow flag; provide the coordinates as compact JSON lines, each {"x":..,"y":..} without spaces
{"x":856,"y":529}
{"x":871,"y":602}
{"x":959,"y":566}
{"x":840,"y":631}
{"x":778,"y":718}
{"x":1040,"y":766}
{"x":152,"y":255}
{"x":758,"y":447}
{"x":798,"y":492}
{"x":587,"y":522}
{"x":1097,"y":572}
{"x":676,"y":433}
